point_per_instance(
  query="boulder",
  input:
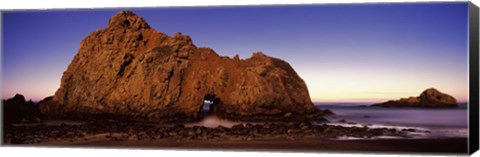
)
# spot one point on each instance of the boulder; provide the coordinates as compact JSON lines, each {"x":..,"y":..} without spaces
{"x":18,"y":110}
{"x":130,"y":70}
{"x":430,"y":98}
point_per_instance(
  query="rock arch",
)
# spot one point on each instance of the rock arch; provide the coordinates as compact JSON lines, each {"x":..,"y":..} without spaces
{"x":164,"y":78}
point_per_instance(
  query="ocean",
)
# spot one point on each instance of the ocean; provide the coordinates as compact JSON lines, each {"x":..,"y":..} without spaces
{"x":430,"y":122}
{"x":427,"y":122}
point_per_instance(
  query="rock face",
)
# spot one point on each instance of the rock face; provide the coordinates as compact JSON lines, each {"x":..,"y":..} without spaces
{"x":17,"y":109}
{"x":130,"y":70}
{"x":430,"y":98}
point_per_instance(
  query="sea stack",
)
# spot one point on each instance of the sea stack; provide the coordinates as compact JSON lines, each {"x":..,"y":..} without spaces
{"x":430,"y":98}
{"x":130,"y":70}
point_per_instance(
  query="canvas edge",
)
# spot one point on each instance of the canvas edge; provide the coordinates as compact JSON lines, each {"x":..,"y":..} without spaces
{"x":473,"y":79}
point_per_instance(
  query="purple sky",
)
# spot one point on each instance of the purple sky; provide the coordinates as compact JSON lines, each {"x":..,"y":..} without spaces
{"x":345,"y":53}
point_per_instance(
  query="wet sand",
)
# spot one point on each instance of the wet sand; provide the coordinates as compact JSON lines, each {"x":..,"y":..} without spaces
{"x":313,"y":144}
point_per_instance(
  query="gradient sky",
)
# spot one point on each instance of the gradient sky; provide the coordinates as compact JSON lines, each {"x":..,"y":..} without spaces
{"x":344,"y":52}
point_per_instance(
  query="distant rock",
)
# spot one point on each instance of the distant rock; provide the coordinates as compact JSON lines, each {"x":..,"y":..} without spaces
{"x":130,"y":70}
{"x":18,"y":110}
{"x":430,"y":98}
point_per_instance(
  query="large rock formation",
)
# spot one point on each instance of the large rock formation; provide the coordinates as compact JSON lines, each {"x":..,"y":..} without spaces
{"x":130,"y":70}
{"x":18,"y":110}
{"x":430,"y":98}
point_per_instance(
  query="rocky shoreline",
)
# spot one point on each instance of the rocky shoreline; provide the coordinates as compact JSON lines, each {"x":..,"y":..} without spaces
{"x":125,"y":131}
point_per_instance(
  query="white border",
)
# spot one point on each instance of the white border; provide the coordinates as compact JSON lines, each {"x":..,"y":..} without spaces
{"x":6,"y":5}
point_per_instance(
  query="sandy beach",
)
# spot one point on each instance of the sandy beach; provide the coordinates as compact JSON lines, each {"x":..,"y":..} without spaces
{"x":436,"y":146}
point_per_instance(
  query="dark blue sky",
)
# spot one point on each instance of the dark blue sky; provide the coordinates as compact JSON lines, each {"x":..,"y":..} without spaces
{"x":344,"y":52}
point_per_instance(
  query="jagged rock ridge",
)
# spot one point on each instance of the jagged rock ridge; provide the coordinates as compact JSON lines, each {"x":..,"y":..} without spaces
{"x":18,"y":110}
{"x":430,"y":98}
{"x":129,"y":69}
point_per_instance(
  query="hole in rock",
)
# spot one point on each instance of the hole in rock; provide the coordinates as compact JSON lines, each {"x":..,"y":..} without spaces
{"x":207,"y":112}
{"x":206,"y":106}
{"x":209,"y":103}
